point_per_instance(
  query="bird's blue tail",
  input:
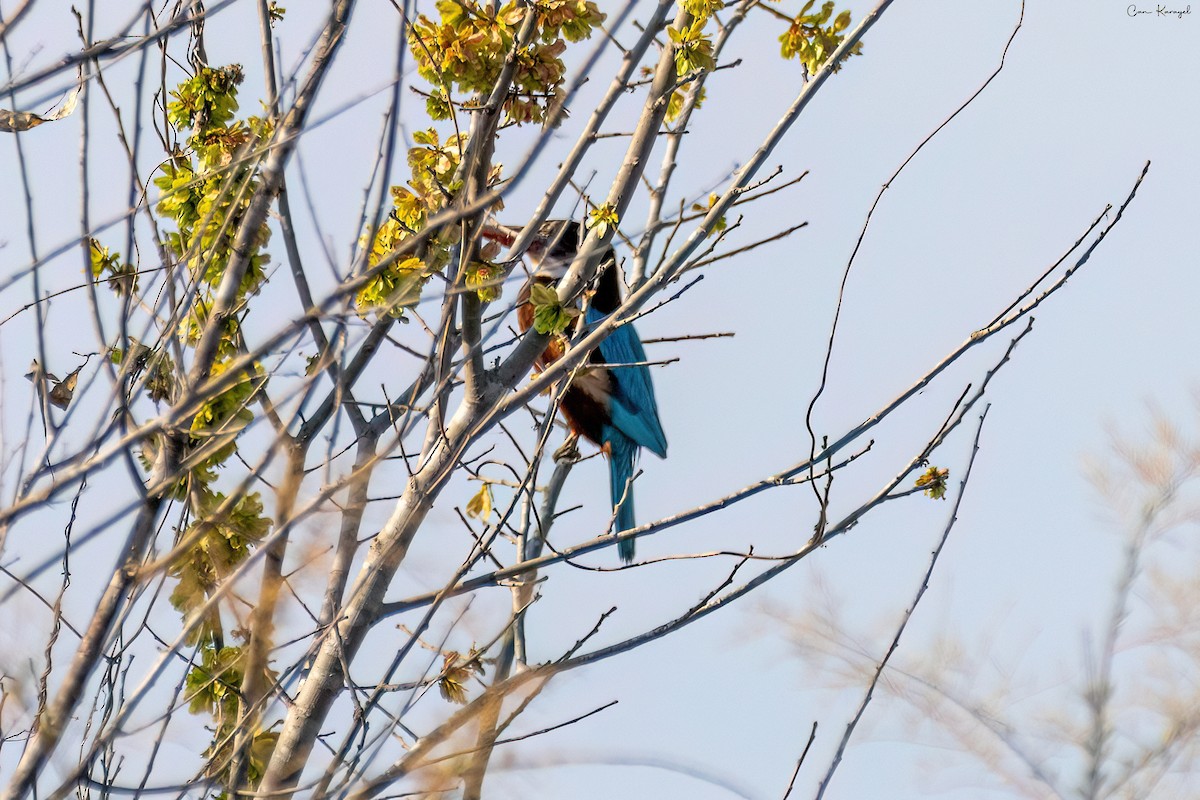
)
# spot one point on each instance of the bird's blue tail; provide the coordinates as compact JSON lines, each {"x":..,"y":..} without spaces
{"x":621,"y":456}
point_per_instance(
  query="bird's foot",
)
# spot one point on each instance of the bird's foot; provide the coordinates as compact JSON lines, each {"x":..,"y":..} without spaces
{"x":569,"y":450}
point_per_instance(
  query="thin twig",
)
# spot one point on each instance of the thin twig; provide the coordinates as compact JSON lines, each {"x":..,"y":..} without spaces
{"x":912,"y":607}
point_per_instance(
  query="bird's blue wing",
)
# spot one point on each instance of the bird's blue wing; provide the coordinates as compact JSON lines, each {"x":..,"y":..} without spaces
{"x":633,"y":409}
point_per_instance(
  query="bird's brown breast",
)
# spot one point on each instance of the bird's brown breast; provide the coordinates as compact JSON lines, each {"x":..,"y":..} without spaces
{"x":585,"y":401}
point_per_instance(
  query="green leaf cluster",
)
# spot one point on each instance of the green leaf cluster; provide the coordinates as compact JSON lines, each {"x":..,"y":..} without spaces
{"x":484,"y":276}
{"x":229,"y":409}
{"x":464,"y":50}
{"x":206,"y":100}
{"x":213,"y":687}
{"x":180,"y":200}
{"x":693,"y":52}
{"x":122,"y":277}
{"x":213,"y":237}
{"x":813,"y":37}
{"x":395,"y":288}
{"x":550,"y":316}
{"x":207,"y":190}
{"x":206,"y":187}
{"x":693,"y":48}
{"x":434,"y":165}
{"x":573,"y":20}
{"x":703,"y":9}
{"x":602,"y":217}
{"x":485,"y":279}
{"x":207,"y":209}
{"x":935,"y":481}
{"x":218,"y":544}
{"x":213,"y":432}
{"x":537,"y":81}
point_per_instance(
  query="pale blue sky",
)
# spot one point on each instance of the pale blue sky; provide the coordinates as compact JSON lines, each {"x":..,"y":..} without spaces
{"x":1088,"y":95}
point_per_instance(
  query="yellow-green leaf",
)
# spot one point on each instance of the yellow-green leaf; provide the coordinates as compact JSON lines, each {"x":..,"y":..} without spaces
{"x":456,"y":671}
{"x":934,"y":481}
{"x":601,"y":217}
{"x":480,"y":506}
{"x":542,"y":295}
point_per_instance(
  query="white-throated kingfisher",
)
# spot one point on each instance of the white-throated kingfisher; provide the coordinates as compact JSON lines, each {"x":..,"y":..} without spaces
{"x":611,"y":401}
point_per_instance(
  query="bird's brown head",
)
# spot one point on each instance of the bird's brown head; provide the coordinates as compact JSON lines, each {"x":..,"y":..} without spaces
{"x":551,"y":251}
